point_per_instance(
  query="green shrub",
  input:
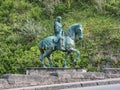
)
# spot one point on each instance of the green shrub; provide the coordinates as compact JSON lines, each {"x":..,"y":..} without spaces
{"x":60,"y":9}
{"x":113,"y":8}
{"x":23,"y":23}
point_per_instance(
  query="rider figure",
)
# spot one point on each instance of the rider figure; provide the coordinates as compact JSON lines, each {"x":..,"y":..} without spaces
{"x":58,"y":32}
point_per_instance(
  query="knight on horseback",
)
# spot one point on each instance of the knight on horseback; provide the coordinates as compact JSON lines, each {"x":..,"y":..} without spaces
{"x":61,"y":42}
{"x":59,"y":34}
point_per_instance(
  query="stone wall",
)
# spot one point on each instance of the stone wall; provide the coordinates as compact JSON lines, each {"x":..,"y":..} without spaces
{"x":48,"y":76}
{"x":4,"y":83}
{"x":111,"y":70}
{"x":70,"y":85}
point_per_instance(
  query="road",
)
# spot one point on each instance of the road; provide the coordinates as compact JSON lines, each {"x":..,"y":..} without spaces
{"x":104,"y":87}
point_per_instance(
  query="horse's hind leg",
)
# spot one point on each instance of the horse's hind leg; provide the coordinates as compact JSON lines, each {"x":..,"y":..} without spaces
{"x":41,"y":57}
{"x":46,"y":54}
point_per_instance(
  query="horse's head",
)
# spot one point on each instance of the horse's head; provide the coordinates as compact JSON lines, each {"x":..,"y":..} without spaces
{"x":73,"y":30}
{"x":79,"y":30}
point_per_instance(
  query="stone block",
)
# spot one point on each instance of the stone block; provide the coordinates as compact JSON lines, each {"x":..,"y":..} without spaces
{"x":112,"y":75}
{"x":19,"y":80}
{"x":77,"y":75}
{"x":114,"y":81}
{"x":102,"y":83}
{"x":88,"y":84}
{"x":4,"y":83}
{"x":111,"y":70}
{"x":94,"y":75}
{"x":48,"y":71}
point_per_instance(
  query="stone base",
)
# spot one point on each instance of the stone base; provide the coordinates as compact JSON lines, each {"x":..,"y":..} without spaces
{"x":44,"y":71}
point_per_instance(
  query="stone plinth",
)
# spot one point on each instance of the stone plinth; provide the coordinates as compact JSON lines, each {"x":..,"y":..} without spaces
{"x":44,"y":71}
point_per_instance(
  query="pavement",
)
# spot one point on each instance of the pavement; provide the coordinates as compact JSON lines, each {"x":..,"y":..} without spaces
{"x":103,"y":87}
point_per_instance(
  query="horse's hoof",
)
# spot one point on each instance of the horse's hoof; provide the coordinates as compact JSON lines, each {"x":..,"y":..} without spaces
{"x":74,"y":61}
{"x":65,"y":67}
{"x":44,"y":66}
{"x":51,"y":66}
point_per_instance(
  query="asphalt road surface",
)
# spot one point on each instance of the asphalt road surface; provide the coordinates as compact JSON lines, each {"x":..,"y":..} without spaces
{"x":103,"y":87}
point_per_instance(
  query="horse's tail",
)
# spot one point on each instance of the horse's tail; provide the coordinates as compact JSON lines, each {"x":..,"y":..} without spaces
{"x":41,"y":47}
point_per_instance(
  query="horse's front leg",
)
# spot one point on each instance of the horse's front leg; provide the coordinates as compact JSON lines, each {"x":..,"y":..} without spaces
{"x":42,"y":60}
{"x":66,"y":59}
{"x":77,"y":54}
{"x":50,"y":61}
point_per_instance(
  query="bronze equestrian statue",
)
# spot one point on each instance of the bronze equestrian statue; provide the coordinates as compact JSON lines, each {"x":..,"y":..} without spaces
{"x":61,"y":42}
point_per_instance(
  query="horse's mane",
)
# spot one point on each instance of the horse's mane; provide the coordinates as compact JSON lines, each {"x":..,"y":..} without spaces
{"x":72,"y":28}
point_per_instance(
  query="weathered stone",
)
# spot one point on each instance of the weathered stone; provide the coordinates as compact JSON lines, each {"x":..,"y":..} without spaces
{"x":111,"y":70}
{"x":102,"y":83}
{"x":112,"y":75}
{"x":18,"y":80}
{"x":77,"y":76}
{"x":86,"y":84}
{"x":114,"y":82}
{"x":48,"y":71}
{"x":94,"y":75}
{"x":63,"y":75}
{"x":43,"y":76}
{"x":4,"y":83}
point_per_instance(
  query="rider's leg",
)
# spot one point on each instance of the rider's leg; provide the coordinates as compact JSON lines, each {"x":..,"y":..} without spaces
{"x":61,"y":43}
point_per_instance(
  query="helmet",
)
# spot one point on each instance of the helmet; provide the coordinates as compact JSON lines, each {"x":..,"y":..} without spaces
{"x":59,"y":17}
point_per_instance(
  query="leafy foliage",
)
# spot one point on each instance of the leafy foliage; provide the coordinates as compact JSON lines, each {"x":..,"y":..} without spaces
{"x":23,"y":23}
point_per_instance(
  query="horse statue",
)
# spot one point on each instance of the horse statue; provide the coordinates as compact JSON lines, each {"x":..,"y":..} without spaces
{"x":47,"y":45}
